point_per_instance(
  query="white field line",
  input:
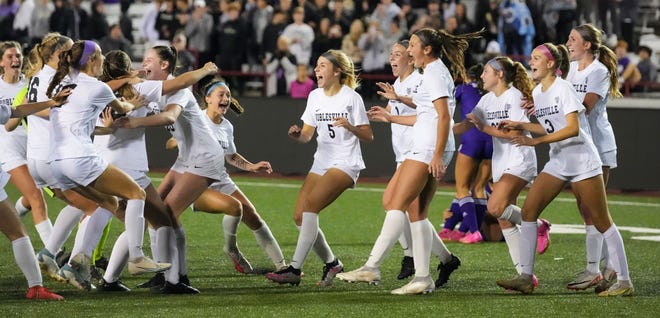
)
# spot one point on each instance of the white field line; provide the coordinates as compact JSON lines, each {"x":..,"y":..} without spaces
{"x":443,"y":193}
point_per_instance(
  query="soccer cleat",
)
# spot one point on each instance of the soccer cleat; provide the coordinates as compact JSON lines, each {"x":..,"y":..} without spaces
{"x":282,"y":266}
{"x":455,"y":236}
{"x":543,"y":236}
{"x":452,"y":236}
{"x":445,"y":234}
{"x":101,"y":263}
{"x":143,"y":265}
{"x":407,"y":268}
{"x":42,"y":293}
{"x":73,"y":277}
{"x":521,"y":282}
{"x":419,"y":285}
{"x":609,"y":276}
{"x":184,"y":279}
{"x":178,"y":288}
{"x":48,"y":265}
{"x":83,"y":265}
{"x":241,"y":264}
{"x":362,"y":274}
{"x":62,"y":257}
{"x":96,"y":276}
{"x":117,"y":286}
{"x":471,"y":238}
{"x":584,"y":280}
{"x":534,"y":280}
{"x":618,"y":289}
{"x":444,"y":270}
{"x":330,"y":270}
{"x":288,"y":275}
{"x":157,"y":281}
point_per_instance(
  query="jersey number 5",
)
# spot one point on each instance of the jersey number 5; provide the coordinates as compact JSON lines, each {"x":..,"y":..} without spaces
{"x":331,"y":131}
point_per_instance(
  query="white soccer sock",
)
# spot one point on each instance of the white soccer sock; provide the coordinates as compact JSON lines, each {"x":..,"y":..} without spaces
{"x":405,"y":239}
{"x":617,"y":252}
{"x":162,"y":248}
{"x":167,"y":252}
{"x":230,"y":226}
{"x":44,"y":228}
{"x":67,"y":219}
{"x":269,"y":244}
{"x":20,"y":208}
{"x":172,"y":274}
{"x":605,"y":256}
{"x":528,"y":233}
{"x":118,"y":259}
{"x":438,"y":248}
{"x":322,"y":248}
{"x":134,"y":222}
{"x":26,"y":261}
{"x":512,"y":214}
{"x":153,"y":240}
{"x":80,"y":237}
{"x":422,"y":241}
{"x":392,"y":229}
{"x":180,"y":237}
{"x":512,"y":238}
{"x":94,"y":230}
{"x":594,"y":242}
{"x":309,"y":231}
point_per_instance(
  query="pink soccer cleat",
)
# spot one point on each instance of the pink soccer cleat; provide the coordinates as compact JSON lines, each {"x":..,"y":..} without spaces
{"x":471,"y":238}
{"x":543,"y":236}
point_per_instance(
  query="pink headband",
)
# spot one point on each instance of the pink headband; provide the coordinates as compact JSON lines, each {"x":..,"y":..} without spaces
{"x":544,"y":49}
{"x":88,"y":50}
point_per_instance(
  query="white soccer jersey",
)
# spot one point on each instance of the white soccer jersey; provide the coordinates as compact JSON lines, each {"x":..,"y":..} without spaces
{"x":336,"y":143}
{"x":224,"y":134}
{"x":402,"y":135}
{"x":72,"y":124}
{"x":126,"y":147}
{"x":5,"y":113}
{"x":193,"y":136}
{"x":575,"y":155}
{"x":9,"y":139}
{"x":436,"y":82}
{"x":493,"y":109}
{"x":595,"y":79}
{"x":38,"y":142}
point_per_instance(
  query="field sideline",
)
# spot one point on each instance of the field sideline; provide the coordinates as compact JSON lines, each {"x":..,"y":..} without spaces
{"x":351,"y":225}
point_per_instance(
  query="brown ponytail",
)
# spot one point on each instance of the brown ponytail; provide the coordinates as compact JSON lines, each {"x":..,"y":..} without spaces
{"x":43,"y":52}
{"x":450,"y":46}
{"x":117,"y":64}
{"x":608,"y":58}
{"x":69,"y":60}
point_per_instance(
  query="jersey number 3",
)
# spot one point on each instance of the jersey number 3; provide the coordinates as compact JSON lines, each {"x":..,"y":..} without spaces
{"x":550,"y":128}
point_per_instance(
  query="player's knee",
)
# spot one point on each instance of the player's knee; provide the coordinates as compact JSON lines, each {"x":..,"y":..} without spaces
{"x":137,"y":194}
{"x":495,"y":208}
{"x":235,"y":208}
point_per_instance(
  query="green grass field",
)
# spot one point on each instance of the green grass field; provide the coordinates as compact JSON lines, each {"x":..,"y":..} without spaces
{"x":351,"y":225}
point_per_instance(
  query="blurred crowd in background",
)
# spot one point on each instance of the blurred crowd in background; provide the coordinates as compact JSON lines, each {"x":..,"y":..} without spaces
{"x":281,"y":39}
